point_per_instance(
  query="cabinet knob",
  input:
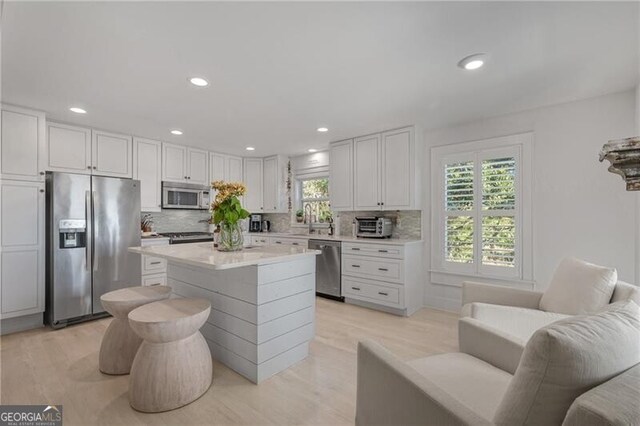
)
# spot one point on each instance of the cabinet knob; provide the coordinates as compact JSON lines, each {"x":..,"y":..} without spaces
{"x":94,"y":167}
{"x":42,"y":190}
{"x":41,"y":173}
{"x":89,"y":167}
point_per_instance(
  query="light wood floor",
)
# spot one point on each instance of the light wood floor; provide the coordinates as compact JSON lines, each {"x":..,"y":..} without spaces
{"x":61,"y":367}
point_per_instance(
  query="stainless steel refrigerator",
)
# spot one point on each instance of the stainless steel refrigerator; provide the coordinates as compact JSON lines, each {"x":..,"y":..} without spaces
{"x":91,"y":222}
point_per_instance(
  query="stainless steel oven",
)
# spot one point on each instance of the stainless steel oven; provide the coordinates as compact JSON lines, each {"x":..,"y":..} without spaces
{"x":373,"y":227}
{"x":185,"y":196}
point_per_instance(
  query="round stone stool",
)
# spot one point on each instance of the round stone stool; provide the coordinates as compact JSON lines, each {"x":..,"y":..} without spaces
{"x":119,"y":343}
{"x":173,"y":365}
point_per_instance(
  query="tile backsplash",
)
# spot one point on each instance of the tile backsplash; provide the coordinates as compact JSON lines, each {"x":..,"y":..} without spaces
{"x":406,"y":223}
{"x":180,"y":220}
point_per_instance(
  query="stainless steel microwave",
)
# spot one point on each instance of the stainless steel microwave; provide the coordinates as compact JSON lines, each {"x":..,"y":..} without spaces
{"x":185,"y":196}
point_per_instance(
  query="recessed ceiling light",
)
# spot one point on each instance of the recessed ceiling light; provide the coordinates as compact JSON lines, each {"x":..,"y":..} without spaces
{"x":323,"y":129}
{"x":199,"y":81}
{"x":250,"y":148}
{"x":472,"y":62}
{"x":77,"y":110}
{"x":176,"y":132}
{"x":312,"y":150}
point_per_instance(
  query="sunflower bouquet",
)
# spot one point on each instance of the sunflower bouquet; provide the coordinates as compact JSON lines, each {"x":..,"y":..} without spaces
{"x":226,"y":207}
{"x":227,"y":211}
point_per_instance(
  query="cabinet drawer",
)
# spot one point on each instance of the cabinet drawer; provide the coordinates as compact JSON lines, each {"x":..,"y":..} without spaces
{"x":289,"y":241}
{"x":371,"y":292}
{"x":259,"y":241}
{"x":152,"y":264}
{"x":366,"y":267}
{"x":378,"y":250}
{"x":155,"y":279}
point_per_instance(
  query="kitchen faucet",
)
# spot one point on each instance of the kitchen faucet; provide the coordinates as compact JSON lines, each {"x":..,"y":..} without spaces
{"x":307,"y":213}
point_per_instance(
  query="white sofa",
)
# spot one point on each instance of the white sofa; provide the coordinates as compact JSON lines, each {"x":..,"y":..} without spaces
{"x":567,"y":369}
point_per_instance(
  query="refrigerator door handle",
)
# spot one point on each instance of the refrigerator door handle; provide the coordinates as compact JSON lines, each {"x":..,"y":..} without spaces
{"x":89,"y":229}
{"x":94,"y":236}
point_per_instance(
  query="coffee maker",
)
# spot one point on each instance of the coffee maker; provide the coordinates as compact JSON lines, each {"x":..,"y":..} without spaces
{"x":255,"y":223}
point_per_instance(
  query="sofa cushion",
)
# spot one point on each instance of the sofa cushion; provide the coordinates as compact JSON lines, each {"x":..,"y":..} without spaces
{"x":626,"y":291}
{"x":578,"y":287}
{"x":567,"y":358}
{"x":473,"y":382}
{"x":518,"y":322}
{"x":616,"y":402}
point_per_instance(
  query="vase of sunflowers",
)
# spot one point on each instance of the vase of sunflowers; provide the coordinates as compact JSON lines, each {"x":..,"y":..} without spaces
{"x":227,"y":212}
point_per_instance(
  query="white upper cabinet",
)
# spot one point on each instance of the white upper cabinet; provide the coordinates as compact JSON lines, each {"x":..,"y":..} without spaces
{"x":386,"y":172}
{"x":147,"y":168}
{"x":68,"y":148}
{"x":225,"y":167}
{"x":253,"y":181}
{"x":182,"y":164}
{"x":174,"y":163}
{"x":274,"y":181}
{"x":23,"y":140}
{"x":197,"y":166}
{"x":366,"y":173}
{"x":111,"y":154}
{"x":22,"y":253}
{"x":341,"y":175}
{"x":234,"y":169}
{"x":398,"y":170}
{"x":217,"y":166}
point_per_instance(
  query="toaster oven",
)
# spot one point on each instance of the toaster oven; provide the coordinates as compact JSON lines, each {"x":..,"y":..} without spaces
{"x":373,"y":227}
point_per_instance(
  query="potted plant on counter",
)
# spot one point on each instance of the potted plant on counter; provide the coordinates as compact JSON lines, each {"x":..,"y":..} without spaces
{"x":299,"y":216}
{"x":228,"y":212}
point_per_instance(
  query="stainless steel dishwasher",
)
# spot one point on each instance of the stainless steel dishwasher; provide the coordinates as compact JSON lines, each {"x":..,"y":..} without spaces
{"x":328,"y":270}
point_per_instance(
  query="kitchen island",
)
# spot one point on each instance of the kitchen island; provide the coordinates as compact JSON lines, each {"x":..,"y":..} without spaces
{"x":262,"y":300}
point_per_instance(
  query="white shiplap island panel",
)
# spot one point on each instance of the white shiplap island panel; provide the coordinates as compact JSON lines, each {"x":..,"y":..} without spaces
{"x":263,"y":302}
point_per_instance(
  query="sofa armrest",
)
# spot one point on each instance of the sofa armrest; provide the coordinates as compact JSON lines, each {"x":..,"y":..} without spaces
{"x":494,"y":346}
{"x":392,"y":393}
{"x":499,"y":295}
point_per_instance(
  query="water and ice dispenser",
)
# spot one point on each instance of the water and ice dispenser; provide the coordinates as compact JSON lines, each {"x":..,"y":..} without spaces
{"x":73,"y":233}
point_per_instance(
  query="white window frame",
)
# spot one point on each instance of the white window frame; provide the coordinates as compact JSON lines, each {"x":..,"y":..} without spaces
{"x":520,"y":147}
{"x":299,"y":201}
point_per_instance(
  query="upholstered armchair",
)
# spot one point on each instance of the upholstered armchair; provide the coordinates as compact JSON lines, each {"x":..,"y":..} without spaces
{"x":566,"y":376}
{"x":498,"y":321}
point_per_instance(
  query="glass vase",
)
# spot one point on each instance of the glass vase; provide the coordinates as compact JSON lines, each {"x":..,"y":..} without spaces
{"x":231,"y":238}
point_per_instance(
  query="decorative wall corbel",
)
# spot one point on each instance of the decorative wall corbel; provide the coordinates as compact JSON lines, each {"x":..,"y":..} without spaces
{"x":624,"y":156}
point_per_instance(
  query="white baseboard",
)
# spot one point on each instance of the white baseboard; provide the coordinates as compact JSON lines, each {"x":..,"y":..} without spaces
{"x":17,"y":324}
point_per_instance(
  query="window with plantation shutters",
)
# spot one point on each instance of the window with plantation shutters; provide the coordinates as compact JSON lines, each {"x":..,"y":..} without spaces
{"x":478,"y":211}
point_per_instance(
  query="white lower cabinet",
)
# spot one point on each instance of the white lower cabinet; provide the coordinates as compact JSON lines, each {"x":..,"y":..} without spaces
{"x":383,"y":276}
{"x":289,"y":241}
{"x":22,"y":257}
{"x":154,"y":269}
{"x":259,"y":240}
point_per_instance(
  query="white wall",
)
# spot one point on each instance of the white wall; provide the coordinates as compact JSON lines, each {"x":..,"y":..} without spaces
{"x":579,"y":208}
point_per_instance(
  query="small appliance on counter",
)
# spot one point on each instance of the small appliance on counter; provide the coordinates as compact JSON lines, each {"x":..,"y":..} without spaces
{"x":266,"y":226}
{"x":255,"y":223}
{"x":373,"y":227}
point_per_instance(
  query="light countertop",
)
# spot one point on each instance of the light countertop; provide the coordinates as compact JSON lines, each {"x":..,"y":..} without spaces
{"x":205,"y":256}
{"x":343,"y":238}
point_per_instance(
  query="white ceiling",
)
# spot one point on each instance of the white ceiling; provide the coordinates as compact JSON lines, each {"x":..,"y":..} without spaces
{"x":280,"y":70}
